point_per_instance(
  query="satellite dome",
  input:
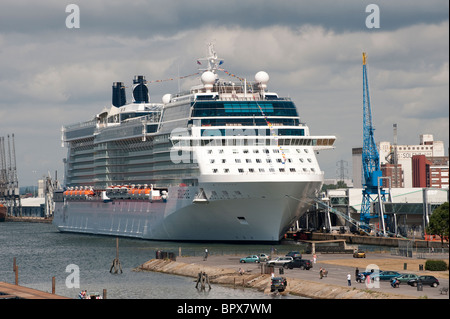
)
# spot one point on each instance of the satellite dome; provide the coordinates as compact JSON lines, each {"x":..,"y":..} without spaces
{"x":208,"y":79}
{"x":262,"y":77}
{"x":166,"y":98}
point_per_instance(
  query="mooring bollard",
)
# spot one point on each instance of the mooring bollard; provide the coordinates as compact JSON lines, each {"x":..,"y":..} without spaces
{"x":53,"y":286}
{"x":17,"y":275}
{"x":116,"y":262}
{"x":203,"y":279}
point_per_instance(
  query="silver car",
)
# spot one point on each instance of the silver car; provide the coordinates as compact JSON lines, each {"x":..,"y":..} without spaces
{"x":280,"y":261}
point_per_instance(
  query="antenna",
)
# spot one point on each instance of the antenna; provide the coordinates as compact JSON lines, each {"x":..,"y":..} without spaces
{"x":395,"y":161}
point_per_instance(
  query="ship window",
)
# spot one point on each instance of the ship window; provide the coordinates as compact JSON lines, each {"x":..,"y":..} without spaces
{"x":276,"y":151}
{"x":209,"y":151}
{"x":309,"y":160}
{"x":248,"y":160}
{"x":258,"y":160}
{"x":220,"y":151}
{"x":251,"y":170}
{"x":256,"y":151}
{"x":268,"y":160}
{"x":304,"y":169}
{"x":306,"y":150}
{"x":282,"y":170}
{"x":226,"y":170}
{"x":313,"y":170}
{"x":272,"y":170}
{"x":298,"y":150}
{"x":212,"y":161}
{"x":240,"y":170}
{"x":237,"y":160}
{"x":261,"y":170}
{"x":224,"y":160}
{"x":278,"y":160}
{"x":301,"y":160}
{"x":245,"y":151}
{"x":292,"y":169}
{"x":215,"y":170}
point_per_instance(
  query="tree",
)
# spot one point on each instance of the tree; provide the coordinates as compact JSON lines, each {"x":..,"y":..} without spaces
{"x":439,"y":222}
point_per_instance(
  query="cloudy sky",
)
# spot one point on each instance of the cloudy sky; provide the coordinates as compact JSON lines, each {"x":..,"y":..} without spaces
{"x":51,"y":75}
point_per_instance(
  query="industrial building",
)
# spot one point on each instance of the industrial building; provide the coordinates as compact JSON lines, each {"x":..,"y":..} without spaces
{"x":401,"y":173}
{"x":407,"y":212}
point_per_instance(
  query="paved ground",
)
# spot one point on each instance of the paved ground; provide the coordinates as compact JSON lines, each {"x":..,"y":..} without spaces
{"x":338,"y":266}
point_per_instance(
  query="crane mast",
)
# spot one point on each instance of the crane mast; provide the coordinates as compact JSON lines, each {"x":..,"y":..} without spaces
{"x":370,"y":160}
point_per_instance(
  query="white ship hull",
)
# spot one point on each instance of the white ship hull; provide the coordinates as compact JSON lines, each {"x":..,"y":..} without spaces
{"x":260,"y":212}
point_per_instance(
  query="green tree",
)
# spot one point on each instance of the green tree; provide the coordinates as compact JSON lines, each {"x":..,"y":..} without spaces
{"x":439,"y":222}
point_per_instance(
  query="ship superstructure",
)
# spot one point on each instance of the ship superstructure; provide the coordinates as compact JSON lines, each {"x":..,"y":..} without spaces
{"x":227,"y":161}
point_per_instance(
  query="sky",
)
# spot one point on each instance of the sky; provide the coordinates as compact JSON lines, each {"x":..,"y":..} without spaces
{"x":52,"y":75}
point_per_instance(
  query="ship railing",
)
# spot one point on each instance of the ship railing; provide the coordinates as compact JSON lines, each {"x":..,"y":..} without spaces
{"x":80,"y":125}
{"x":128,"y":129}
{"x":78,"y":130}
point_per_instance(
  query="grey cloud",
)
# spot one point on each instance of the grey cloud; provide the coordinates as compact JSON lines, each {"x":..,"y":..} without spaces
{"x":146,"y":18}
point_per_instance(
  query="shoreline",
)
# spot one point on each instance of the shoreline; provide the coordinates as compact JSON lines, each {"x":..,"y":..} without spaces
{"x":261,"y":282}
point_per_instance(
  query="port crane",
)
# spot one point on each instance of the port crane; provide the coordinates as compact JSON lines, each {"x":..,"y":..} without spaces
{"x":372,"y":175}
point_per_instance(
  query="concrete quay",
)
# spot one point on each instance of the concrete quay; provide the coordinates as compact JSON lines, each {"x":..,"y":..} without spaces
{"x":306,"y":283}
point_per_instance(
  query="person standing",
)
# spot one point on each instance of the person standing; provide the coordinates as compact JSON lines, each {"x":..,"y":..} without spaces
{"x":321,"y":273}
{"x":356,"y":274}
{"x":206,"y":254}
{"x":349,"y":279}
{"x":314,"y":258}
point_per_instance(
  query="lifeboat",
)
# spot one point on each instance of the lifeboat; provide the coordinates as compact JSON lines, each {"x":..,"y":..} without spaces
{"x":79,"y":193}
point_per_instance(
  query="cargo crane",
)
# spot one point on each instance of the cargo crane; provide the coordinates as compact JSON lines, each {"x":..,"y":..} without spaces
{"x":372,"y":175}
{"x":9,"y":185}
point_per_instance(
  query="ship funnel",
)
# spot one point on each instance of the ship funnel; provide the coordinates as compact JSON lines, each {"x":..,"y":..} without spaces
{"x":140,"y":90}
{"x":118,"y":94}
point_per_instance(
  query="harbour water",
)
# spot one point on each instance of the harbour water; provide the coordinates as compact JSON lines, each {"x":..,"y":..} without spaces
{"x":42,"y":252}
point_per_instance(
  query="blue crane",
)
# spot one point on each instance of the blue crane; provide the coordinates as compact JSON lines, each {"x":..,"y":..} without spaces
{"x":370,"y":159}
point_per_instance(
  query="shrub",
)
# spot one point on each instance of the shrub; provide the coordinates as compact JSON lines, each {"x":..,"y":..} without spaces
{"x":436,"y":265}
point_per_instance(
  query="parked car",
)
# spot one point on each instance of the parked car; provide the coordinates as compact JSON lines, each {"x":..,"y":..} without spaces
{"x":294,"y":254}
{"x":425,"y":280}
{"x":299,"y":263}
{"x":263,"y":257}
{"x":385,"y":275}
{"x":404,"y":278}
{"x":279,"y":261}
{"x":359,"y":254}
{"x":278,"y":283}
{"x":250,"y":259}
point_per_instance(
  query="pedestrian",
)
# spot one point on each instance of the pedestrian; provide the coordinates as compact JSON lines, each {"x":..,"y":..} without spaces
{"x":206,"y":254}
{"x":349,"y":279}
{"x":321,"y":273}
{"x":314,"y":258}
{"x":356,"y":274}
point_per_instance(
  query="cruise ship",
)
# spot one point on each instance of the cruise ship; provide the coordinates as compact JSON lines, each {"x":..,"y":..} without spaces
{"x":228,"y":160}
